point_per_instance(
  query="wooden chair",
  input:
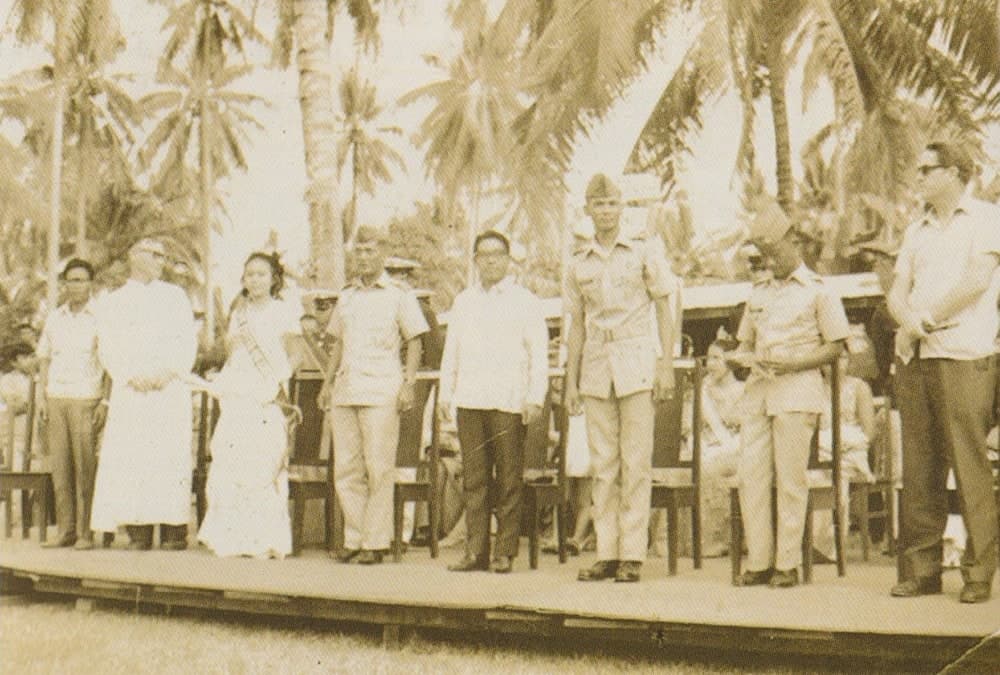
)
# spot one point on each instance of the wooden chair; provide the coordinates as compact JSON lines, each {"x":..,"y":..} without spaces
{"x":310,"y":465}
{"x":208,"y":415}
{"x":423,"y":487}
{"x":823,"y":494}
{"x":35,"y":487}
{"x":876,"y":501}
{"x":677,"y":481}
{"x":545,"y":481}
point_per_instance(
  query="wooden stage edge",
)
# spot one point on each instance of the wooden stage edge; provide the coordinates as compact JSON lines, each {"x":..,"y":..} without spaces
{"x":548,"y":603}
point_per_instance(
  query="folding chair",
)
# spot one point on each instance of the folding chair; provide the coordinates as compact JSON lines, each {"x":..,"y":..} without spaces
{"x":35,"y":487}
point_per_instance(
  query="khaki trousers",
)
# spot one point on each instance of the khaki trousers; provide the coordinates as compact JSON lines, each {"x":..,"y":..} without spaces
{"x":73,"y":461}
{"x":620,"y":434}
{"x":775,"y":453}
{"x":365,"y":440}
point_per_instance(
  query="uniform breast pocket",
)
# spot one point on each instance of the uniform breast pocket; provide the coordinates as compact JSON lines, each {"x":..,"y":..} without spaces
{"x":590,"y":288}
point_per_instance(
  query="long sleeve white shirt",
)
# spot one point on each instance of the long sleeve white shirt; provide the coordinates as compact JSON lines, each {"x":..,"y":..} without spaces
{"x":496,"y":352}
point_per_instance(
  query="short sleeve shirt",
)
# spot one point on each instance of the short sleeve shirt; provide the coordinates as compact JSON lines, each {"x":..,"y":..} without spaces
{"x":69,"y":342}
{"x":614,"y":288}
{"x":938,"y":255}
{"x":786,"y":318}
{"x":372,"y":322}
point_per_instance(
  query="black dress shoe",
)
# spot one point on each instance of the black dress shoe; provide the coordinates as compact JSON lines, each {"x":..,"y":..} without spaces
{"x":469,"y":564}
{"x":502,"y":564}
{"x":62,"y":542}
{"x":628,"y":571}
{"x":600,"y":570}
{"x":346,"y":555}
{"x":975,"y":592}
{"x":369,"y":557}
{"x":784,"y":578}
{"x":912,"y":588}
{"x":755,"y":578}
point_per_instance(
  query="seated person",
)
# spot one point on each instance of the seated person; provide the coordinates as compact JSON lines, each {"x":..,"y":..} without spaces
{"x":15,"y":388}
{"x":720,"y":444}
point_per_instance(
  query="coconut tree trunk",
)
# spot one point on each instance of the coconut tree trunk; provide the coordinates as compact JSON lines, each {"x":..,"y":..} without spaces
{"x":326,"y":234}
{"x":55,"y":194}
{"x":81,"y":196}
{"x":351,"y":226}
{"x":207,"y":179}
{"x":778,"y":71}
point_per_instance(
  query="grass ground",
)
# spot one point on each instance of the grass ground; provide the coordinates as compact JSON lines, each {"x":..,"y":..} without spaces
{"x":49,"y":636}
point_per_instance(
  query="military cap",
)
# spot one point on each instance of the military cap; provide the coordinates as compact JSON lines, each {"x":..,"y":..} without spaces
{"x":770,"y":225}
{"x":602,"y":187}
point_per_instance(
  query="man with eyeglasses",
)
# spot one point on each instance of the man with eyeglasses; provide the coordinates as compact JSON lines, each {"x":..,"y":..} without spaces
{"x":944,"y":298}
{"x":147,"y":342}
{"x":73,"y":404}
{"x":618,"y":363}
{"x":494,"y":371}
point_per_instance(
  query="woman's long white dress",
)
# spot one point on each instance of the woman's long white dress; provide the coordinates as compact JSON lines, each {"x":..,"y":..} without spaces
{"x":247,"y":488}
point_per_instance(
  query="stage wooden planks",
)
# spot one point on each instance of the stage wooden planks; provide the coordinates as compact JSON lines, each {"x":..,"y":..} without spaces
{"x":838,"y":617}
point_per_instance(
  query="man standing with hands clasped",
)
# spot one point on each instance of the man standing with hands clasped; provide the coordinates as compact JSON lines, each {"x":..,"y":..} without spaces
{"x":495,"y":371}
{"x":944,"y":298}
{"x":618,"y":363}
{"x":792,"y":326}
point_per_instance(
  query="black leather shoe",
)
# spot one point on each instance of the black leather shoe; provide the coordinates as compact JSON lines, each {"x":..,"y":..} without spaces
{"x":469,"y":564}
{"x":369,"y":557}
{"x":502,"y":564}
{"x":912,"y":588}
{"x":755,"y":578}
{"x":346,"y":555}
{"x":628,"y":571}
{"x":63,"y":542}
{"x":600,"y":570}
{"x":974,"y":592}
{"x":784,"y":578}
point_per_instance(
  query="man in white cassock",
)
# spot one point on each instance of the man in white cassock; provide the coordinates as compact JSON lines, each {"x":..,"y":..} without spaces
{"x":146,"y":340}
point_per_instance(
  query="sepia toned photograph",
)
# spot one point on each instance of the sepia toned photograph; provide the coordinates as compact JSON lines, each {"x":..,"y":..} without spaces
{"x":500,"y":336}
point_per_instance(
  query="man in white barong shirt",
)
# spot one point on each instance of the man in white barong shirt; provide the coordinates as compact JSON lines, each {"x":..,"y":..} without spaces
{"x":147,"y":343}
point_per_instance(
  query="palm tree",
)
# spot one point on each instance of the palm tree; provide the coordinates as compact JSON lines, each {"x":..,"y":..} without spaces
{"x":211,"y":32}
{"x":201,"y":117}
{"x":470,"y":131}
{"x":305,"y":27}
{"x":363,"y":143}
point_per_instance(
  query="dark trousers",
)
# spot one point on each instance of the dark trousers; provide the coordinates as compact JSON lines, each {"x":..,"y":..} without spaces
{"x":946,"y":409}
{"x":492,"y":445}
{"x":72,"y":457}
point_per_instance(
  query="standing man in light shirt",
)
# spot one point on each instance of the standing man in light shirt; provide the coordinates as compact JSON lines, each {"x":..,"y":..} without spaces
{"x":147,"y":343}
{"x":618,"y":369}
{"x":495,"y":372}
{"x":367,"y":388}
{"x":944,"y":298}
{"x":73,"y":404}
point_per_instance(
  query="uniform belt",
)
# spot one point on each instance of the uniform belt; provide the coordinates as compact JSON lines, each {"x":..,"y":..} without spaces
{"x":604,"y":335}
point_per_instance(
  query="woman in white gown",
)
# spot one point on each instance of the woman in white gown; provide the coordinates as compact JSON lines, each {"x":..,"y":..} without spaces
{"x":247,"y":488}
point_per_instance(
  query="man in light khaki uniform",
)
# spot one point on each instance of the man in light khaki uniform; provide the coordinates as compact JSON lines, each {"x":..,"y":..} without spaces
{"x":368,"y":388}
{"x":792,"y":325}
{"x":615,"y":367}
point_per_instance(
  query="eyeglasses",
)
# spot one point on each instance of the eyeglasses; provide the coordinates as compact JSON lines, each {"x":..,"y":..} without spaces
{"x":927,"y":168}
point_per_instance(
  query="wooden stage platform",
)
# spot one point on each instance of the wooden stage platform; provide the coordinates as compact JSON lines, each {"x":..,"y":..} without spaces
{"x":851,"y":617}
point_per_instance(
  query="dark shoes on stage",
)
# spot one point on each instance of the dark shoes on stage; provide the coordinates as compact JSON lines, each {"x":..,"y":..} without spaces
{"x":755,"y":578}
{"x":974,"y":592}
{"x":62,"y":542}
{"x":78,"y":543}
{"x":470,"y":564}
{"x":370,"y":557}
{"x":346,"y":555}
{"x":769,"y":577}
{"x":912,"y":588}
